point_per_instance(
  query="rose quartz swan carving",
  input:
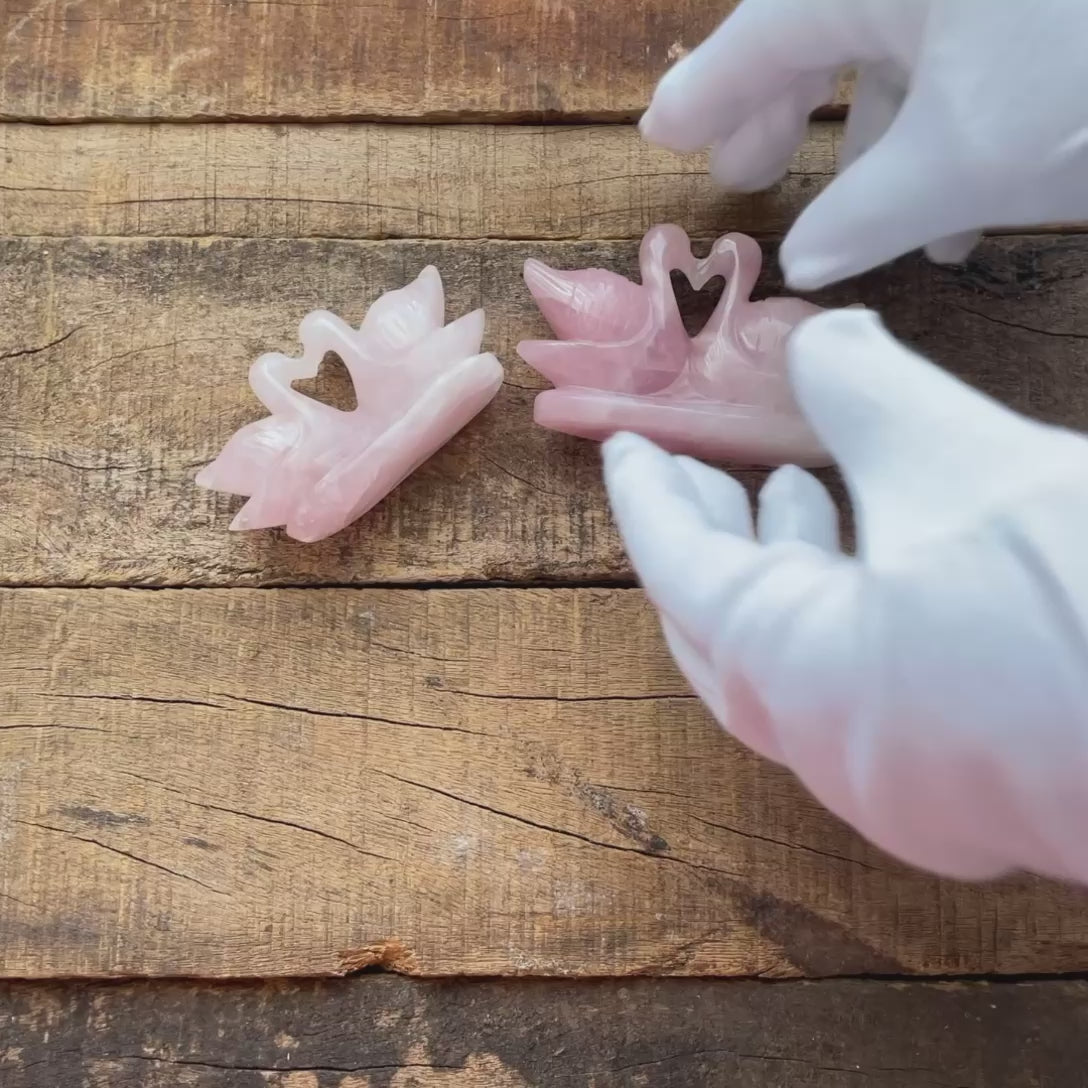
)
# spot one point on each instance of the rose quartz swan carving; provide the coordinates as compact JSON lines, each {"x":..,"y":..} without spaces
{"x":315,"y":469}
{"x":625,"y":363}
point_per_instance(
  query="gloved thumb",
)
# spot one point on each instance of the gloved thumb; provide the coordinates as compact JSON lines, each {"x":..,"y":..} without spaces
{"x":899,"y":195}
{"x":921,"y":451}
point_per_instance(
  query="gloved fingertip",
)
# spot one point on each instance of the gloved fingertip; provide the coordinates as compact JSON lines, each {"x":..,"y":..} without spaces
{"x":651,"y":128}
{"x":954,"y":249}
{"x":647,"y":129}
{"x":620,"y":446}
{"x":759,"y":152}
{"x":831,"y":330}
{"x":795,"y":507}
{"x":673,"y":129}
{"x":630,"y":462}
{"x":724,"y":500}
{"x":835,"y":361}
{"x":810,"y":272}
{"x":809,"y":265}
{"x":892,"y":200}
{"x":733,"y":170}
{"x":787,"y":485}
{"x":689,"y":110}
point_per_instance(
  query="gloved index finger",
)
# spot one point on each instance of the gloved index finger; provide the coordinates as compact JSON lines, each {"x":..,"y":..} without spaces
{"x":754,"y":56}
{"x":687,"y":565}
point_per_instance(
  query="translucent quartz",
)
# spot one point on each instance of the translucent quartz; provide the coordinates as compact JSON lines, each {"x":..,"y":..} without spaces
{"x":623,"y":361}
{"x":315,"y":469}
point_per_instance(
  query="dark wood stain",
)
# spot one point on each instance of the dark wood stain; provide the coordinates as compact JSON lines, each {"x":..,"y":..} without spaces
{"x":661,"y":1033}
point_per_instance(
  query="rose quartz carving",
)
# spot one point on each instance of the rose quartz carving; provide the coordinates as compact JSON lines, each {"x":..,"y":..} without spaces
{"x":625,"y":363}
{"x":315,"y":469}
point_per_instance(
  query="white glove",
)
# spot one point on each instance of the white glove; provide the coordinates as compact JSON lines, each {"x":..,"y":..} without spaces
{"x":933,"y":691}
{"x":967,"y":114}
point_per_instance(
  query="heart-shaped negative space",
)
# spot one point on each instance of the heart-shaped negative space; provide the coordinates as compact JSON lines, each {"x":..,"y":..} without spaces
{"x":332,"y":385}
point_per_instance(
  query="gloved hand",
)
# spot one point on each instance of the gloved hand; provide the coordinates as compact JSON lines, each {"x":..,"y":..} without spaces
{"x":932,"y":691}
{"x":967,"y":114}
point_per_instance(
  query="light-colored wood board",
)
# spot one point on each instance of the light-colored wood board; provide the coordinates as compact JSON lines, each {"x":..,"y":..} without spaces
{"x":123,"y":369}
{"x":66,"y":60}
{"x":548,"y":182}
{"x":661,"y":1033}
{"x":338,"y":58}
{"x":305,"y":782}
{"x":378,"y":181}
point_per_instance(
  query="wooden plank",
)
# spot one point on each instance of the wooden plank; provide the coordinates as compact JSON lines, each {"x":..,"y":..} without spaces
{"x":305,"y":782}
{"x":582,"y":182}
{"x":124,"y":369}
{"x":68,"y":60}
{"x":187,"y":59}
{"x":392,"y":1033}
{"x":378,"y":181}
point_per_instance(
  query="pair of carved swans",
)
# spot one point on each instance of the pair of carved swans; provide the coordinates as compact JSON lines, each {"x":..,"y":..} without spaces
{"x":623,"y":361}
{"x":315,"y":469}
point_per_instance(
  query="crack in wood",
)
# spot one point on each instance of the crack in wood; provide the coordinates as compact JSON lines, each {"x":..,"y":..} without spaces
{"x":260,"y":819}
{"x":503,"y":696}
{"x":646,"y":853}
{"x":23,"y":352}
{"x":122,"y":853}
{"x":269,"y":1069}
{"x":344,"y":714}
{"x":156,"y":700}
{"x":1058,"y":334}
{"x":781,"y":842}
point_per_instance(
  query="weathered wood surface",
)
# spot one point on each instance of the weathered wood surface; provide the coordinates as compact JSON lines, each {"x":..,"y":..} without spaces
{"x":392,"y":1033}
{"x":66,"y":60}
{"x":299,"y":782}
{"x":178,"y":59}
{"x":124,"y":368}
{"x":581,"y":182}
{"x":378,"y":181}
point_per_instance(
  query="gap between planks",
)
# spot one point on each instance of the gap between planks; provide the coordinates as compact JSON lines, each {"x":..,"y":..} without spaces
{"x":831,"y":112}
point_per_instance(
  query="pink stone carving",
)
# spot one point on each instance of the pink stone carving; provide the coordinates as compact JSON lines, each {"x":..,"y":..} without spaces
{"x":314,"y":468}
{"x":623,"y":361}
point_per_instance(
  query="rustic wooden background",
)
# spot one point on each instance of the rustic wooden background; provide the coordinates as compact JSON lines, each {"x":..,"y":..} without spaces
{"x":245,"y":784}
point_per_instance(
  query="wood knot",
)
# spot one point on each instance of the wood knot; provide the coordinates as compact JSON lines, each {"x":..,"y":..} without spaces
{"x":389,"y":955}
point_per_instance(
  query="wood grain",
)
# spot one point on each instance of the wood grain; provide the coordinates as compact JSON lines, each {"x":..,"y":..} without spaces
{"x":405,"y":59}
{"x":392,"y":1033}
{"x":124,"y":369}
{"x":551,"y":182}
{"x":378,"y":181}
{"x":311,"y":782}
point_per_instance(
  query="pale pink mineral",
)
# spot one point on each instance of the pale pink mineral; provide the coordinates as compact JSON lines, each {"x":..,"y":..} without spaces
{"x":624,"y":362}
{"x":314,"y":468}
